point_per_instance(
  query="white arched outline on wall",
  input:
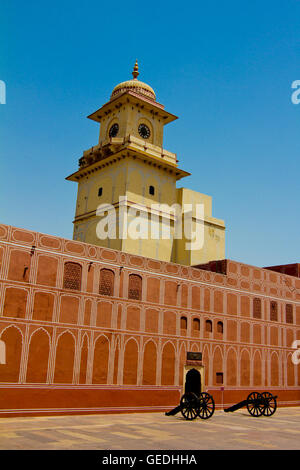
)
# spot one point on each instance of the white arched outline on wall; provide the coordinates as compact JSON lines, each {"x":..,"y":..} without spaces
{"x":150,"y":340}
{"x":82,"y":341}
{"x":63,"y":333}
{"x":69,"y":332}
{"x":214,"y":352}
{"x":17,"y":328}
{"x":255,"y":353}
{"x":96,"y":338}
{"x":243,"y":353}
{"x":22,"y":342}
{"x":226,"y":355}
{"x":182,"y":345}
{"x":40,"y":329}
{"x":274,"y":353}
{"x":175,"y":357}
{"x":172,"y":344}
{"x":2,"y":352}
{"x":288,"y":365}
{"x":130,"y":339}
{"x":195,"y":347}
{"x":35,"y":331}
{"x":116,"y":346}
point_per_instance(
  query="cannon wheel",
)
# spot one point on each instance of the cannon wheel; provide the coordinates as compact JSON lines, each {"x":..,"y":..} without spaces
{"x":206,"y":406}
{"x":269,"y":402}
{"x":189,"y":405}
{"x":254,"y":404}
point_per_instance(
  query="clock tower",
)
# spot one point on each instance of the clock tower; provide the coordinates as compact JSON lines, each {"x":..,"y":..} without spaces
{"x":129,"y":177}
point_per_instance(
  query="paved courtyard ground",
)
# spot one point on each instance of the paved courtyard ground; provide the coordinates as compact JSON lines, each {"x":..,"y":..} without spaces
{"x":153,"y":431}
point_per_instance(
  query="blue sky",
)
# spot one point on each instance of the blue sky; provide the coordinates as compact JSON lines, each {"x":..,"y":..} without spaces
{"x":224,"y":67}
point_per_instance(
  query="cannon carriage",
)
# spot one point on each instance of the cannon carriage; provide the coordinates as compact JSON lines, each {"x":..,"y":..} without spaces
{"x":202,"y":405}
{"x":192,"y":406}
{"x":257,"y":404}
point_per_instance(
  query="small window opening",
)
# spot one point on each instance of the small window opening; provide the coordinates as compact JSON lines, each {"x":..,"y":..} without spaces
{"x":183,"y":323}
{"x":219,"y":377}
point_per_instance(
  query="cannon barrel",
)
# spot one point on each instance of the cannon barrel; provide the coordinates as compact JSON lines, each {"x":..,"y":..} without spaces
{"x":174,"y":411}
{"x":257,"y":404}
{"x":237,"y":406}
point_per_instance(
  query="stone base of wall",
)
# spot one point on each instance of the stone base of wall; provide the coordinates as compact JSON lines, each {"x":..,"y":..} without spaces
{"x":45,"y":400}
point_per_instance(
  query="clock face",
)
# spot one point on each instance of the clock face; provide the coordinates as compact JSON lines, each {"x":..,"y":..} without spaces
{"x":113,"y":131}
{"x":144,"y":131}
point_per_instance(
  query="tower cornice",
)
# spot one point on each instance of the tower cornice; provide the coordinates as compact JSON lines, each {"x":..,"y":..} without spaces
{"x":127,"y":151}
{"x":127,"y":97}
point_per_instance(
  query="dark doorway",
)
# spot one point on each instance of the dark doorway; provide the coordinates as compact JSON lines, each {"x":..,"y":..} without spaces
{"x":193,"y":382}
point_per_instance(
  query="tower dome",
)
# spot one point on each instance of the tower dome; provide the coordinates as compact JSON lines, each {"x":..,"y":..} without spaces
{"x":134,"y":85}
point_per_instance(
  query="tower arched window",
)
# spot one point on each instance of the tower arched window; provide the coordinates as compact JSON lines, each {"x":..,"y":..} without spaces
{"x":135,"y":287}
{"x":183,"y":323}
{"x":72,"y":276}
{"x":220,"y":327}
{"x":256,"y":308}
{"x":208,"y":326}
{"x":196,"y":324}
{"x":106,"y":284}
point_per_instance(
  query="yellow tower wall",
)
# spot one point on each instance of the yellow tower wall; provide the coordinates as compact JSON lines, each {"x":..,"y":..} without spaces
{"x":212,"y":230}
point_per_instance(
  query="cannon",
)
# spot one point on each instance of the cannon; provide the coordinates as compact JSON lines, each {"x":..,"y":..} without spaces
{"x":257,"y":404}
{"x":192,"y":405}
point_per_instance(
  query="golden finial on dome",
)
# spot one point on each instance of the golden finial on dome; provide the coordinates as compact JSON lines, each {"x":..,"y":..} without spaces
{"x":135,"y":72}
{"x":134,"y":85}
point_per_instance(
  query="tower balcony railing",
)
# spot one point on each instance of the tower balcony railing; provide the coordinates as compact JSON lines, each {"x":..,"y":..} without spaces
{"x":115,"y":144}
